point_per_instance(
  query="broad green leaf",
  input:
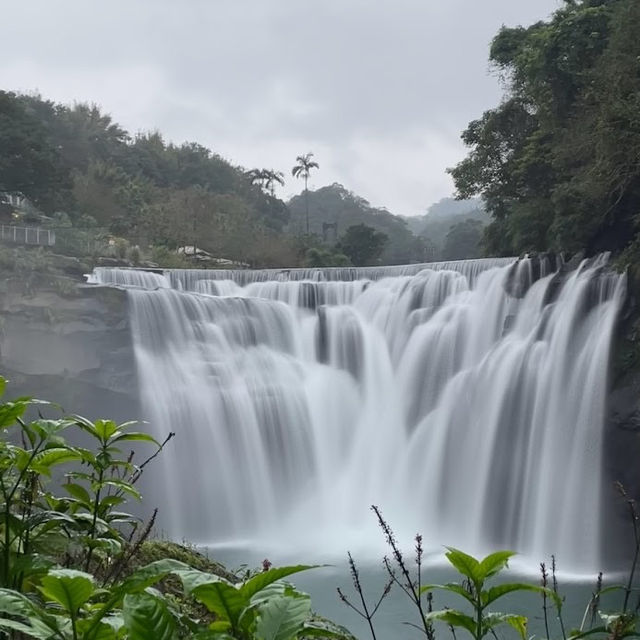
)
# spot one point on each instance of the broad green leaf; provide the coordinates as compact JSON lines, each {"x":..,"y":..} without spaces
{"x":192,"y":578}
{"x":87,"y":519}
{"x":46,"y":520}
{"x":325,"y":629}
{"x":454,"y":618}
{"x":108,"y":502}
{"x":577,"y":634}
{"x":136,"y":436}
{"x":11,"y":411}
{"x":261,"y":580}
{"x":101,"y":631}
{"x":85,"y":425}
{"x":29,"y":631}
{"x":114,"y":621}
{"x":88,"y":457}
{"x":118,"y":484}
{"x":21,"y":457}
{"x":78,"y":492}
{"x":494,"y":563}
{"x":49,"y":428}
{"x":282,"y":618}
{"x":50,"y":626}
{"x":452,"y":587}
{"x":120,"y":517}
{"x":270,"y":591}
{"x":105,"y":429}
{"x":109,"y":545}
{"x":3,"y":385}
{"x":492,"y":620}
{"x":150,"y":574}
{"x":465,"y":564}
{"x":15,"y":603}
{"x":491,"y":595}
{"x":147,"y":618}
{"x":52,"y":457}
{"x":223,"y":599}
{"x":68,"y":587}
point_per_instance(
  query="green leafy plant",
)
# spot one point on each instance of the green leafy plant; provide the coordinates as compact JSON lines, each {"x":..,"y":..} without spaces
{"x":63,"y":559}
{"x":106,"y":482}
{"x":476,"y":573}
{"x":72,"y":607}
{"x":262,"y":607}
{"x":28,"y":524}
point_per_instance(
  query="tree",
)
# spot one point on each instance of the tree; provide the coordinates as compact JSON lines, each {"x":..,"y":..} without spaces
{"x":302,"y":170}
{"x":266,"y":179}
{"x":29,"y":160}
{"x":362,"y":244}
{"x":334,"y":204}
{"x":463,"y":241}
{"x":557,"y":161}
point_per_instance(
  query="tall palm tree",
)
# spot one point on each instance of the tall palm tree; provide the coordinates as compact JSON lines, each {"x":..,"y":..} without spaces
{"x":302,"y":170}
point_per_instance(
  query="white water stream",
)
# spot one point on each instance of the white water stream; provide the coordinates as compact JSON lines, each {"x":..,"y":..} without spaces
{"x":466,"y":399}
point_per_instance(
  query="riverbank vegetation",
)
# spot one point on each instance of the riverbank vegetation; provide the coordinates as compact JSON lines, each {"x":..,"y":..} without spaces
{"x":556,"y":162}
{"x":74,"y":566}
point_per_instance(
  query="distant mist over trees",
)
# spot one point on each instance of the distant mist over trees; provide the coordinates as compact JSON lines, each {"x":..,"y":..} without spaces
{"x":468,"y":217}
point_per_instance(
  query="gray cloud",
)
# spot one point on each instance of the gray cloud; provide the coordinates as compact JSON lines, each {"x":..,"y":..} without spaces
{"x":379,"y":91}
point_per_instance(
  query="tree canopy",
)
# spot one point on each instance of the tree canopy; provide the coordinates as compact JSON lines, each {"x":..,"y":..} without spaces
{"x":363,"y":245}
{"x":336,"y":205}
{"x":558,"y":161}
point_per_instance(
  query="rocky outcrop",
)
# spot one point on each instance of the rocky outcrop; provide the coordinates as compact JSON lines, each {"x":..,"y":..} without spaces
{"x":71,"y":346}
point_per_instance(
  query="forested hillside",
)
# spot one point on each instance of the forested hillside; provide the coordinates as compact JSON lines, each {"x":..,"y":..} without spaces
{"x":79,"y":167}
{"x":558,"y":161}
{"x":452,"y":229}
{"x":91,"y":177}
{"x":335,"y":205}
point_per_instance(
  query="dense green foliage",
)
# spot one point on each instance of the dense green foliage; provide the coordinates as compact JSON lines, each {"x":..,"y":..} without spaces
{"x":463,"y":241}
{"x":363,"y":245}
{"x":77,"y":161}
{"x":68,"y":568}
{"x":335,"y":205}
{"x":557,"y":162}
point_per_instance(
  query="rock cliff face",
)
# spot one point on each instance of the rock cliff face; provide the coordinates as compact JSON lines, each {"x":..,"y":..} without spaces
{"x":73,"y":348}
{"x":622,"y":454}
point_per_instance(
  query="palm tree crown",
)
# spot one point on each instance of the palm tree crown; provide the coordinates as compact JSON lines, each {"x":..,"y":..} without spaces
{"x":266,"y":178}
{"x":304,"y":166}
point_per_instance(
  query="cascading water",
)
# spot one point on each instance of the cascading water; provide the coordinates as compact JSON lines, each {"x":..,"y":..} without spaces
{"x":466,"y":399}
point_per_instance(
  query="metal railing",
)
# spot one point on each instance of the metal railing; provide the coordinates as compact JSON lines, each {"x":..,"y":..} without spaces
{"x":28,"y":235}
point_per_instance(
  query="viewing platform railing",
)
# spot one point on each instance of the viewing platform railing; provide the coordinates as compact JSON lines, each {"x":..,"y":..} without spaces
{"x":28,"y":235}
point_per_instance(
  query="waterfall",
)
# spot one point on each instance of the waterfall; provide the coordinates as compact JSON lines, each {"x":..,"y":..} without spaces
{"x":467,"y":399}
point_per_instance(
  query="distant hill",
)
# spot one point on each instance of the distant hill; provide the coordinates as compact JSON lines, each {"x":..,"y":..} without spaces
{"x":337,"y":205}
{"x":436,"y":224}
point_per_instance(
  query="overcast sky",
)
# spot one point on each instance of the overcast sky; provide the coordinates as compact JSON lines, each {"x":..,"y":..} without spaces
{"x":378,"y":90}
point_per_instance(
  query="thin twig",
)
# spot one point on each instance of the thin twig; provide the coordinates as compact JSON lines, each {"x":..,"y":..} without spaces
{"x":545,"y":575}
